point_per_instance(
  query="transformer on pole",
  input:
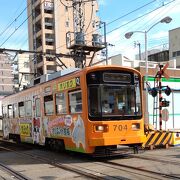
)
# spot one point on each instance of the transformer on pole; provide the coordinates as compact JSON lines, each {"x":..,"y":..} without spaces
{"x":76,"y":40}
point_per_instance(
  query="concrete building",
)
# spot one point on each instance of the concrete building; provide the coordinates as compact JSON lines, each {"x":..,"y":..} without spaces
{"x":174,"y":45}
{"x":6,"y":79}
{"x":22,"y":72}
{"x":6,"y":76}
{"x":48,"y":25}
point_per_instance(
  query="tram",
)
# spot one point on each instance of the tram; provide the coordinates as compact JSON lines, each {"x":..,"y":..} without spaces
{"x":87,"y":110}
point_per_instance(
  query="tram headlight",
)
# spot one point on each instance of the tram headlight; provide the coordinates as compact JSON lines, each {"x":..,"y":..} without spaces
{"x":100,"y":128}
{"x":135,"y":126}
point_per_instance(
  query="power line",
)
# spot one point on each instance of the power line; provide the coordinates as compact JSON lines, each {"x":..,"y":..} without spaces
{"x":131,"y":12}
{"x":18,"y":26}
{"x":8,"y":26}
{"x":125,"y":16}
{"x":115,"y":20}
{"x":139,"y":17}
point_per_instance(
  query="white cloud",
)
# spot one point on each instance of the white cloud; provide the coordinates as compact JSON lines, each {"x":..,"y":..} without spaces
{"x":159,"y":34}
{"x":156,"y":35}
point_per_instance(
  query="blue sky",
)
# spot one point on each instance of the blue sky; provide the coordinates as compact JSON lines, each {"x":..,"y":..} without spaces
{"x":151,"y":11}
{"x":109,"y":10}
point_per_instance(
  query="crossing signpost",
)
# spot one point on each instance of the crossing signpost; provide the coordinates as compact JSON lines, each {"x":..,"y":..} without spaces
{"x":155,"y":90}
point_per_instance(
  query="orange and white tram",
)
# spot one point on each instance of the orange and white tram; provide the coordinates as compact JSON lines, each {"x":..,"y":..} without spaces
{"x":87,"y":110}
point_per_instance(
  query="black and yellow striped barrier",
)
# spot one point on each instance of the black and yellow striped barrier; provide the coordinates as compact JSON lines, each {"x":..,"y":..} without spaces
{"x":176,"y":138}
{"x":158,"y":139}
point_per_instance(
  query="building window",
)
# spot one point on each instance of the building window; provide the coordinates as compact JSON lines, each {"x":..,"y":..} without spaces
{"x":67,"y":23}
{"x":26,"y":77}
{"x":174,"y":54}
{"x":26,"y":65}
{"x":178,"y":53}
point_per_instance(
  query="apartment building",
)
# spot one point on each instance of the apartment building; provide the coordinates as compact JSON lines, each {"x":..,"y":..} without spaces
{"x":6,"y":76}
{"x":22,"y":72}
{"x":174,"y":45}
{"x":48,"y":25}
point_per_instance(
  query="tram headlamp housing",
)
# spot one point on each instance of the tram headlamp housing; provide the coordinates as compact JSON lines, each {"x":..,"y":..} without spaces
{"x":100,"y":128}
{"x":135,"y":126}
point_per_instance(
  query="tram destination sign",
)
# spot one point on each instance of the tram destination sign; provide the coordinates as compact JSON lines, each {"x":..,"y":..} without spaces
{"x":117,"y":77}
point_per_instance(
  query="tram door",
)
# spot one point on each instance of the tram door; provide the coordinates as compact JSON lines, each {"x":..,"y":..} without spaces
{"x":38,"y":137}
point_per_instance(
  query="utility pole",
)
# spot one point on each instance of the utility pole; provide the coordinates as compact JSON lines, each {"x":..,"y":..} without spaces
{"x":136,"y":43}
{"x":76,"y":41}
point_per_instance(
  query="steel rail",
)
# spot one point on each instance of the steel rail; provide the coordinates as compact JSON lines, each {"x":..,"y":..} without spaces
{"x":13,"y":172}
{"x":163,"y":175}
{"x":57,"y":164}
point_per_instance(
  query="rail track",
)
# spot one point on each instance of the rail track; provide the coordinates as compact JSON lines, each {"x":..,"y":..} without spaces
{"x":148,"y":173}
{"x":150,"y":158}
{"x":103,"y":167}
{"x":14,"y":174}
{"x":44,"y":159}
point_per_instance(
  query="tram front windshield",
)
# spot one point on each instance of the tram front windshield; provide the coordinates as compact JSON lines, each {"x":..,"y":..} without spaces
{"x":112,"y":101}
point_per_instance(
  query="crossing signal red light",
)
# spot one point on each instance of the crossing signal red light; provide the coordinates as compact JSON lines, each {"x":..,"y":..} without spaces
{"x":165,"y":103}
{"x":167,"y":91}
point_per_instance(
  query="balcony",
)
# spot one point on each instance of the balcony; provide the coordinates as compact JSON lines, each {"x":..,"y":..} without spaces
{"x":39,"y":59}
{"x":51,"y":69}
{"x":48,"y":7}
{"x":37,"y":11}
{"x":38,"y":26}
{"x":49,"y":25}
{"x":49,"y":38}
{"x":49,"y":22}
{"x":38,"y":42}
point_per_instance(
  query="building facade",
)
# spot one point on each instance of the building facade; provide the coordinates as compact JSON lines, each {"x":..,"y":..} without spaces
{"x":6,"y":79}
{"x":48,"y":24}
{"x":174,"y":45}
{"x":6,"y":75}
{"x":22,"y":76}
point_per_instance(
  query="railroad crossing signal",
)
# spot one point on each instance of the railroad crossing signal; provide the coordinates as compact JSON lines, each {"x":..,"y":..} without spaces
{"x":155,"y":90}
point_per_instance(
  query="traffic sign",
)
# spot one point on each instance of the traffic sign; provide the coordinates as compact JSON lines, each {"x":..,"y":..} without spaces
{"x":165,"y":114}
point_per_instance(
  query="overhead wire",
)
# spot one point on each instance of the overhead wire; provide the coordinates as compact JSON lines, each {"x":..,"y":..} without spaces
{"x":8,"y":26}
{"x":18,"y":27}
{"x":118,"y":18}
{"x":107,"y":24}
{"x":137,"y":9}
{"x":128,"y":21}
{"x":90,"y":21}
{"x":137,"y":18}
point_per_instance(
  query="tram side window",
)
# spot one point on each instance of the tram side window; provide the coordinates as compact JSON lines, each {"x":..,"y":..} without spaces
{"x":15,"y":110}
{"x":75,"y":99}
{"x":28,"y":108}
{"x":10,"y":111}
{"x":38,"y":107}
{"x":4,"y":108}
{"x":61,"y":103}
{"x":48,"y":105}
{"x":21,"y":109}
